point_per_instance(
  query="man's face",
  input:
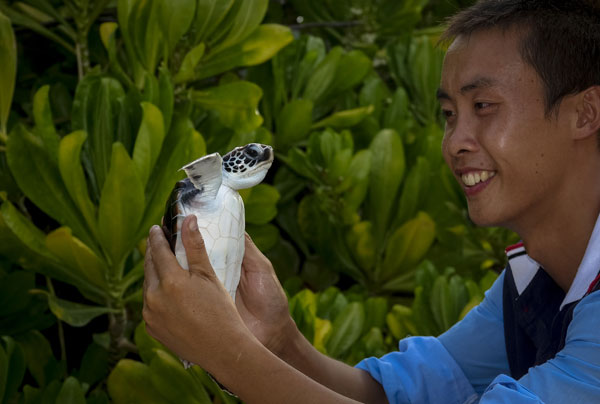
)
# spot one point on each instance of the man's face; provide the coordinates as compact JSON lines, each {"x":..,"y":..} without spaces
{"x":506,"y":154}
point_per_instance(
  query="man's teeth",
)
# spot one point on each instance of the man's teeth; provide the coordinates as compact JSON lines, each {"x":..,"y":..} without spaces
{"x":473,"y":178}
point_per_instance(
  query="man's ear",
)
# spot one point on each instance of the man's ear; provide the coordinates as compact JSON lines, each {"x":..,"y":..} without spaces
{"x":588,"y":113}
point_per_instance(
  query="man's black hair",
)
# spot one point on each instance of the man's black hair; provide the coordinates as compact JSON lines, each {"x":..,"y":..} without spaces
{"x":561,"y":39}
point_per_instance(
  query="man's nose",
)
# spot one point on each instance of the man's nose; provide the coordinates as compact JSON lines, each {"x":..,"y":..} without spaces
{"x":460,"y":139}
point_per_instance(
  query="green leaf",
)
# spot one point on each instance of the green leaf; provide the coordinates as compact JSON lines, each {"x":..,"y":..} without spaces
{"x":259,"y":47}
{"x":94,"y":365}
{"x":249,"y":15}
{"x":39,"y":357}
{"x":344,"y":119}
{"x":166,"y":100}
{"x":356,"y":180}
{"x":25,"y":244}
{"x":347,"y":328}
{"x":13,"y":292}
{"x":293,"y":123}
{"x":387,"y":171}
{"x":130,"y":382}
{"x":176,"y":18}
{"x":331,"y":303}
{"x":71,"y":171}
{"x":437,"y":300}
{"x":183,"y":145}
{"x":170,"y":378}
{"x":408,"y":245}
{"x":299,"y":162}
{"x":376,"y":309}
{"x":303,"y":308}
{"x":148,"y":142}
{"x":44,"y":125}
{"x":399,"y":321}
{"x":71,"y":392}
{"x":74,"y":314}
{"x":362,"y":244}
{"x":260,"y":203}
{"x":146,"y":32}
{"x":323,"y":329}
{"x":209,"y":14}
{"x":323,"y":76}
{"x":3,"y":371}
{"x":190,"y":61}
{"x":121,"y":207}
{"x":12,"y":221}
{"x":16,"y":369}
{"x":22,"y":19}
{"x":96,"y":107}
{"x":346,"y":78}
{"x":8,"y":70}
{"x":147,"y":345}
{"x":414,"y":189}
{"x":78,"y":257}
{"x":265,"y":236}
{"x":39,"y":178}
{"x":236,"y":103}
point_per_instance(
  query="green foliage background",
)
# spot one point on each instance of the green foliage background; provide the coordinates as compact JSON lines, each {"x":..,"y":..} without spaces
{"x":102,"y":102}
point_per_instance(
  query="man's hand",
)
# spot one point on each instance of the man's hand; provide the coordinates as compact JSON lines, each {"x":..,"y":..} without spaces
{"x":261,"y":301}
{"x":188,"y":311}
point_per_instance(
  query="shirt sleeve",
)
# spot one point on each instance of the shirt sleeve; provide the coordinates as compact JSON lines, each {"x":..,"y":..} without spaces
{"x":477,"y":342}
{"x":449,"y":369}
{"x":572,"y":376}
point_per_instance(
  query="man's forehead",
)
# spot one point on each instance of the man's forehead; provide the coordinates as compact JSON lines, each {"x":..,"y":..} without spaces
{"x":476,"y":83}
{"x":482,"y":60}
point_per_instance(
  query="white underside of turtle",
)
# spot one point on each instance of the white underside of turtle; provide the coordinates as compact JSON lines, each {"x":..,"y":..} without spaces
{"x":222,"y":226}
{"x":210,"y":192}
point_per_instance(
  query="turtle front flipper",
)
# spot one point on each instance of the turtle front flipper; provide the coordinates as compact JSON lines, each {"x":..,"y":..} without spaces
{"x":206,"y":174}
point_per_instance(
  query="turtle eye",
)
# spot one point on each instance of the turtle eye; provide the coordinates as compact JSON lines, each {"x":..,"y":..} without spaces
{"x":251,"y":152}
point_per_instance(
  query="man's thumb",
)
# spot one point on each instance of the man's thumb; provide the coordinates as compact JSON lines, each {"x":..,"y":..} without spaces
{"x":195,"y":249}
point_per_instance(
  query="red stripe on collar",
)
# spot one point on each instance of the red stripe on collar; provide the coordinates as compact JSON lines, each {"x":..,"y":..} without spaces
{"x":513,"y":247}
{"x":593,"y":284}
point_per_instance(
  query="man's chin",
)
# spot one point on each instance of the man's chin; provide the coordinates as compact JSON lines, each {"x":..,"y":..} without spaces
{"x":483,"y":219}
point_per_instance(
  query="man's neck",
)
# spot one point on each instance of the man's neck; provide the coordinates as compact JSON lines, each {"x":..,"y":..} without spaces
{"x":558,"y":242}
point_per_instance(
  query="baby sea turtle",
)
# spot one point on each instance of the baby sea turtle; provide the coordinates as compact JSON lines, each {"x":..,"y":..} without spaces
{"x":210,"y":193}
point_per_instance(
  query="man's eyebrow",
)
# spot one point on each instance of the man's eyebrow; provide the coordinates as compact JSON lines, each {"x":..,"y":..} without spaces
{"x":480,"y":82}
{"x":442,"y":95}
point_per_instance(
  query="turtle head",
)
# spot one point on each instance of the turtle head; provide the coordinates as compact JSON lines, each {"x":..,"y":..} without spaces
{"x":246,"y":166}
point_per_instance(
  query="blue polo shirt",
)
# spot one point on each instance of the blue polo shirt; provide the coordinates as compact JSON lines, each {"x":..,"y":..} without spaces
{"x":469,"y":362}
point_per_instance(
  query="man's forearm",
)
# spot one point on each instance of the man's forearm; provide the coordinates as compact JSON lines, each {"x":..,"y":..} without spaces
{"x":259,"y":376}
{"x":336,"y":375}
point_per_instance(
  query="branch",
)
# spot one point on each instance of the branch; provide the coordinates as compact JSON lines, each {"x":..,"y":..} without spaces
{"x":330,"y":24}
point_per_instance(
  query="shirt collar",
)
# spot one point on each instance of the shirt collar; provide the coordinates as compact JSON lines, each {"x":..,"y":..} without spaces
{"x":524,"y":267}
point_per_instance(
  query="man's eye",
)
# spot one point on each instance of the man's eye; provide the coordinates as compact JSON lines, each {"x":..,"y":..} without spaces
{"x":482,"y":105}
{"x":447,"y":114}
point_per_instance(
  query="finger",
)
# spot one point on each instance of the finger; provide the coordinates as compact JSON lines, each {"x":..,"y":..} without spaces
{"x":195,"y":250}
{"x":150,"y":276}
{"x":163,"y":260}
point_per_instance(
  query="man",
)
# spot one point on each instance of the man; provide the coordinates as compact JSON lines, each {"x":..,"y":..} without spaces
{"x":520,"y":91}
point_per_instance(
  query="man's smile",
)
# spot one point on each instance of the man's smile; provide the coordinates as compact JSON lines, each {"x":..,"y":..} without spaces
{"x":473,"y":178}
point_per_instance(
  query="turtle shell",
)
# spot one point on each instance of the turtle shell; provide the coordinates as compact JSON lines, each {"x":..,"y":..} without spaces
{"x":183,"y":191}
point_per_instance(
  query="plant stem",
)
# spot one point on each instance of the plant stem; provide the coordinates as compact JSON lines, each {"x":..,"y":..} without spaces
{"x":83,"y":54}
{"x":61,"y":331}
{"x":3,"y":136}
{"x":119,"y":344}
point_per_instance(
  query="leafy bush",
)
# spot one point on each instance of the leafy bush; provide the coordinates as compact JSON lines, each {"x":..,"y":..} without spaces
{"x":358,"y":214}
